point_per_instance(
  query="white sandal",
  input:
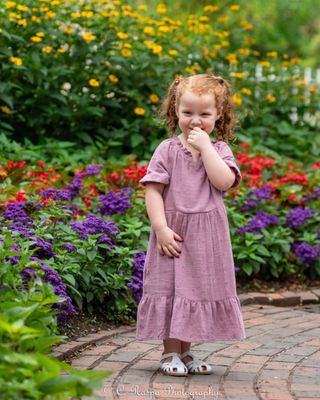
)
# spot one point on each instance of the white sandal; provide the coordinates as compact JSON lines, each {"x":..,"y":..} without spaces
{"x":196,"y":366}
{"x":175,"y":367}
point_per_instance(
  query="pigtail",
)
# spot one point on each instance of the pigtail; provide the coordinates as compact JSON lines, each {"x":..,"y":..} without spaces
{"x":224,"y":125}
{"x":168,"y":108}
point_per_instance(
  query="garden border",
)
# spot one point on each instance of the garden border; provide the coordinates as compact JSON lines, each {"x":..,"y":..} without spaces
{"x":66,"y":349}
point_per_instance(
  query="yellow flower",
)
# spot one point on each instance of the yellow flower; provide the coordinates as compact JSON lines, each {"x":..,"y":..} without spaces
{"x":173,"y":52}
{"x":143,"y":7}
{"x":126,"y":52}
{"x":236,"y":98}
{"x":40,"y":34}
{"x":22,"y":8}
{"x":139,"y":111}
{"x":164,"y":28}
{"x":250,"y":41}
{"x":60,"y":50}
{"x":68,"y":30}
{"x":94,"y":83}
{"x":126,"y":45}
{"x":23,"y":22}
{"x":49,"y":15}
{"x":88,"y":37}
{"x":36,"y":39}
{"x":232,"y":58}
{"x":239,"y":75}
{"x":113,"y":78}
{"x":87,"y":14}
{"x":153,"y":98}
{"x":161,"y":9}
{"x":204,"y":19}
{"x":47,"y":49}
{"x":148,"y":30}
{"x":75,"y":15}
{"x":10,"y":4}
{"x":272,"y":54}
{"x":295,"y":60}
{"x":246,"y":91}
{"x":244,"y":52}
{"x":235,"y":7}
{"x":313,"y":89}
{"x":16,"y":60}
{"x":246,"y":25}
{"x":210,"y":9}
{"x":271,"y":98}
{"x":35,"y":19}
{"x":264,"y":63}
{"x":5,"y":109}
{"x":223,"y":19}
{"x":122,"y":35}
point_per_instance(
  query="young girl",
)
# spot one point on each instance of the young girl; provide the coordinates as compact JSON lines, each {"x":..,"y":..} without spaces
{"x":189,"y":289}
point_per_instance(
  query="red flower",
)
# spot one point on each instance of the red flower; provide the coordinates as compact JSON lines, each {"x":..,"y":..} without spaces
{"x":114,"y":175}
{"x":316,"y":165}
{"x":244,"y":145}
{"x":292,"y":197}
{"x":41,"y":164}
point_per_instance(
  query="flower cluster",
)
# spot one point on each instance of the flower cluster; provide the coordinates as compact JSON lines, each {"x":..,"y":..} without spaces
{"x":254,"y":197}
{"x":306,"y":253}
{"x":297,"y":216}
{"x":46,"y":274}
{"x":94,"y":225}
{"x":137,"y":277}
{"x":259,"y":221}
{"x":116,"y":202}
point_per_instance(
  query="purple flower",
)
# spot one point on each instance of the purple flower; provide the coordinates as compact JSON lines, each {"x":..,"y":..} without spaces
{"x":136,"y":284}
{"x":259,"y":221}
{"x":115,"y":202}
{"x":314,"y":196}
{"x":56,"y":194}
{"x":43,"y":248}
{"x":93,"y":169}
{"x":94,"y":225}
{"x":75,"y":186}
{"x":14,"y":259}
{"x":254,"y":197}
{"x":16,"y":212}
{"x":47,"y":274}
{"x":297,"y":216}
{"x":68,"y":247}
{"x":306,"y":252}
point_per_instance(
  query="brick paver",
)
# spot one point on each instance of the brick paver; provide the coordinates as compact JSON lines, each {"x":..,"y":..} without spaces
{"x":279,"y":359}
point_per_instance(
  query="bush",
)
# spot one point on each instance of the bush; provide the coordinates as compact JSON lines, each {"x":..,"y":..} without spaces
{"x":28,"y":329}
{"x":94,"y":72}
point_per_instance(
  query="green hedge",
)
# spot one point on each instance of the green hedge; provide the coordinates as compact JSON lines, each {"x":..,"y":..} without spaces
{"x":95,"y":71}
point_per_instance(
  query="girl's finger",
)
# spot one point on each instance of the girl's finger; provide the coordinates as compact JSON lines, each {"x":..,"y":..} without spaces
{"x":178,"y":237}
{"x":175,"y":252}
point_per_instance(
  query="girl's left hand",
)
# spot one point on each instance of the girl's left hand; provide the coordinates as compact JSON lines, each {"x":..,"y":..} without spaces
{"x":199,"y":139}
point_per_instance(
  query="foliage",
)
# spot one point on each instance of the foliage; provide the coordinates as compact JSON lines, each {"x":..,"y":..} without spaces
{"x":94,"y":72}
{"x":27,"y":333}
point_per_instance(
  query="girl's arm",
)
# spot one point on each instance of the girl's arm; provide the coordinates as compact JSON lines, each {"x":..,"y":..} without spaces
{"x":219,"y":173}
{"x":166,"y":237}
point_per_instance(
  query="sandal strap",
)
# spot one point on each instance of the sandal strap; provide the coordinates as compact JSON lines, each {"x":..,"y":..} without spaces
{"x":167,"y":355}
{"x":186,"y":353}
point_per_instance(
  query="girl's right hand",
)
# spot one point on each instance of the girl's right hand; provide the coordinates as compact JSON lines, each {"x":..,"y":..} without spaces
{"x":166,"y":242}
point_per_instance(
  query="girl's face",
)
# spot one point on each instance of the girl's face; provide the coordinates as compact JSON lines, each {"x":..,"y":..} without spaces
{"x":197,"y":111}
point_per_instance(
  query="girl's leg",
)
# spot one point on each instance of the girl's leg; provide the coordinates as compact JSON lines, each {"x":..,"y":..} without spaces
{"x":185,"y":346}
{"x":171,"y":346}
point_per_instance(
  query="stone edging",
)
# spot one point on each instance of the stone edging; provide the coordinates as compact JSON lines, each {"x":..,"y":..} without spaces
{"x":66,"y":349}
{"x":281,"y":299}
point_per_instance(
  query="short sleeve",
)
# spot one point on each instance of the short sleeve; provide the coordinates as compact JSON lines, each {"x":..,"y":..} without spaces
{"x":157,"y":170}
{"x":226,"y":154}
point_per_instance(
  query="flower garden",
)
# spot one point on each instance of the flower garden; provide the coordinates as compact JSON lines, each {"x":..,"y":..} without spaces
{"x":74,"y":231}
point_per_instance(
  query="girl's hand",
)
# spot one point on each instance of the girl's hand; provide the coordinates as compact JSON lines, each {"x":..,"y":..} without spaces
{"x":199,"y":139}
{"x":166,"y":242}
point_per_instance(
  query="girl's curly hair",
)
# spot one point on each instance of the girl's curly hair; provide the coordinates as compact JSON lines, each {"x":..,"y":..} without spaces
{"x":201,"y":84}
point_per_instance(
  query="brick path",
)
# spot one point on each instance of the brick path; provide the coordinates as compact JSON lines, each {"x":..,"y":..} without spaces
{"x":279,"y":360}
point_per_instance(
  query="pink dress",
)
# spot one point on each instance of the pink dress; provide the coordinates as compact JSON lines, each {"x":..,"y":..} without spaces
{"x":192,"y":298}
